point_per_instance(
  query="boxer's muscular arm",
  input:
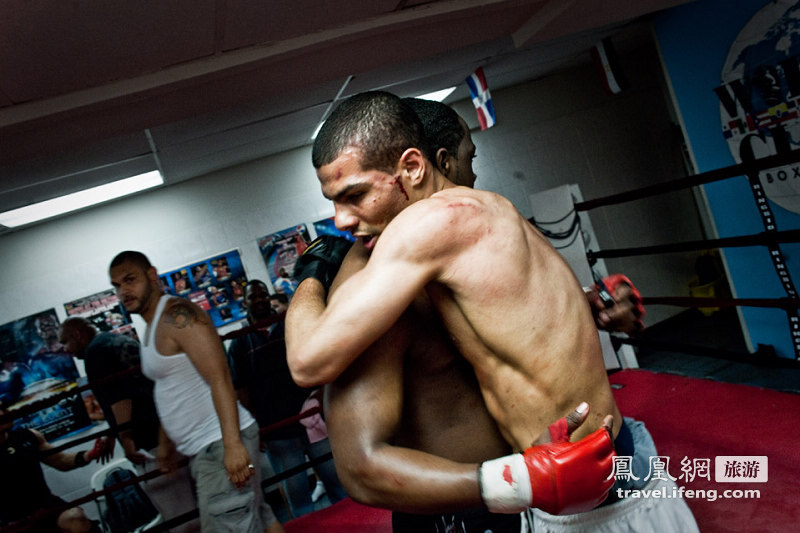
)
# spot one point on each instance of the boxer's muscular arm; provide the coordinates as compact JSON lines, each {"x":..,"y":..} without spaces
{"x":321,"y":341}
{"x":364,"y":408}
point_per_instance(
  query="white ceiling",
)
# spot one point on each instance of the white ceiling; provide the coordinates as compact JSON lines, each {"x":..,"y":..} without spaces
{"x":91,"y":92}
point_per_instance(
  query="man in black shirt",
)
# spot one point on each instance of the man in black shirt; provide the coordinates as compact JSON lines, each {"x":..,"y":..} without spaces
{"x":127,"y":402}
{"x":265,"y":387}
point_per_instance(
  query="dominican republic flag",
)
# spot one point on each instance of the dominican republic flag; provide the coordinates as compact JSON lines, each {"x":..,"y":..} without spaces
{"x":605,"y":60}
{"x":481,"y":98}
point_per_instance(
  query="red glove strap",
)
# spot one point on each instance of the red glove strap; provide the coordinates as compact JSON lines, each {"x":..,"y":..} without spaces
{"x":94,"y":453}
{"x":559,"y":430}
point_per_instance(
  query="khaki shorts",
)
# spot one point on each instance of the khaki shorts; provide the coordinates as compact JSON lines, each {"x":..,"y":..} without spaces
{"x":224,"y":507}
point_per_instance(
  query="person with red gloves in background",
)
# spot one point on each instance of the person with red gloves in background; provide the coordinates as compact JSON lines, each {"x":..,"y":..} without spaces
{"x":616,"y":304}
{"x":25,"y":498}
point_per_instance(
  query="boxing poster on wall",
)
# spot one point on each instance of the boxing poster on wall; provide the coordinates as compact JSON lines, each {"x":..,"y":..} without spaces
{"x":326,"y":226}
{"x":280,"y":251}
{"x":215,"y":284}
{"x":35,"y":367}
{"x":104,"y":311}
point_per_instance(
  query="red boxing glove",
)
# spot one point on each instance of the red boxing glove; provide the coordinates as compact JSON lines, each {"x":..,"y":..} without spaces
{"x":103,"y":448}
{"x":613,"y":281}
{"x":558,"y":477}
{"x":569,"y":478}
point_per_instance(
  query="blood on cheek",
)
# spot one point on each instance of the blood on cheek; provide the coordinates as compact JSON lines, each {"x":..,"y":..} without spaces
{"x":400,"y":184}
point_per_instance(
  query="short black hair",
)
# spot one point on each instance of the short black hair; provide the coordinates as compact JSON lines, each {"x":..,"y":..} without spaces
{"x":440,"y":123}
{"x":130,"y":256}
{"x":78,"y":323}
{"x":379,"y":124}
{"x":254,"y":282}
{"x":282,"y":298}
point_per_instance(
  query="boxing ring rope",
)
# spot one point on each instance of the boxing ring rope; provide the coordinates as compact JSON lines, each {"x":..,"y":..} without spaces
{"x":766,"y":358}
{"x":787,"y":304}
{"x":771,"y":238}
{"x":764,"y":238}
{"x":702,"y":178}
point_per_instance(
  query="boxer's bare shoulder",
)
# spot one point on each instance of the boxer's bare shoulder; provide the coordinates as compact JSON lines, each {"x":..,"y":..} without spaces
{"x":445,"y":224}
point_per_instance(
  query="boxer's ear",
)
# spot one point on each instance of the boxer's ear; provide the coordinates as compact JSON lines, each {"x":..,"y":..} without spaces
{"x":413,"y":166}
{"x":443,"y":161}
{"x":152,"y":274}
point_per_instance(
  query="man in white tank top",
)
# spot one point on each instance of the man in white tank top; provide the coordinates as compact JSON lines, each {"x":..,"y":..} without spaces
{"x":200,"y":417}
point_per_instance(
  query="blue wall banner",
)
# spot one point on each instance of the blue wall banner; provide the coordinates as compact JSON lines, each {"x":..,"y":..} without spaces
{"x":104,"y":311}
{"x":280,"y":251}
{"x":735,"y":71}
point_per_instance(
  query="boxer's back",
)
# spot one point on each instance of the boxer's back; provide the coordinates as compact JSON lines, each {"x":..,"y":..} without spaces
{"x":516,"y":311}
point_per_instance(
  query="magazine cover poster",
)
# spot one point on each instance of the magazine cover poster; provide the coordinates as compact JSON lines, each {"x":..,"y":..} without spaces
{"x":104,"y":311}
{"x":326,"y":226}
{"x":165,"y":288}
{"x":35,"y":367}
{"x":215,"y":284}
{"x":280,"y":251}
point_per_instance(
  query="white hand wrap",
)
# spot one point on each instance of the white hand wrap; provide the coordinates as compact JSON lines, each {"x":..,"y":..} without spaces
{"x":505,"y":484}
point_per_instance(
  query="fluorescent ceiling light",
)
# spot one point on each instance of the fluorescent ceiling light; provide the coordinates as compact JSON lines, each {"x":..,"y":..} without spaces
{"x":316,"y":131}
{"x":80,"y":199}
{"x":437,"y":96}
{"x":330,"y":107}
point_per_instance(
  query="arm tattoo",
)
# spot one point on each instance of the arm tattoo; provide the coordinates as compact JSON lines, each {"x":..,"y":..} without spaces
{"x":182,"y":315}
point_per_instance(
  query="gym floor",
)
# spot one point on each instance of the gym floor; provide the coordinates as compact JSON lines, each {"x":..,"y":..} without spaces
{"x":719,"y":331}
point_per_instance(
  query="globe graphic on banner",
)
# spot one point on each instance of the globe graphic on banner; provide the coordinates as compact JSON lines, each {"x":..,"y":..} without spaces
{"x":760,"y":97}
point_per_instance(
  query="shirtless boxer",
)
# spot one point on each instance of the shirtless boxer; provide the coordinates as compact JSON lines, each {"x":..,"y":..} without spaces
{"x":408,"y":426}
{"x":412,"y":391}
{"x":432,"y":420}
{"x":455,"y":231}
